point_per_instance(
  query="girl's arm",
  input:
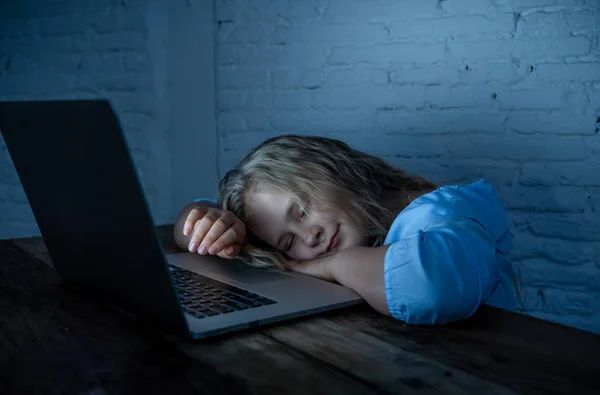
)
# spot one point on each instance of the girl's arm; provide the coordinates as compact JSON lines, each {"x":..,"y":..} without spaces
{"x":359,"y":268}
{"x":436,"y":276}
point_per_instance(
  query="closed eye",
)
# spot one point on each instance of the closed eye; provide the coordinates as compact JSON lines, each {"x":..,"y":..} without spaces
{"x":290,"y":242}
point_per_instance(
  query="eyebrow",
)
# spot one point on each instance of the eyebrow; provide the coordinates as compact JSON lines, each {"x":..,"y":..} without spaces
{"x":287,"y":215}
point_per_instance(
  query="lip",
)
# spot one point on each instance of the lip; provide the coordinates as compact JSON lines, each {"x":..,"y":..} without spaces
{"x":333,"y":242}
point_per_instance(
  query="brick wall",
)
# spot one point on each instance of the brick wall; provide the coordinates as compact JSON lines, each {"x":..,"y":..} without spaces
{"x":454,"y":90}
{"x":153,"y":59}
{"x":86,"y":49}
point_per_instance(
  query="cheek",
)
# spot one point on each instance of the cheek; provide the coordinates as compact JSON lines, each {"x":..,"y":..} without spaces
{"x":302,"y":253}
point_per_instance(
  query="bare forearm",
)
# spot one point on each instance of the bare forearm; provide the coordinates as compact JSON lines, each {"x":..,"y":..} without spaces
{"x":182,"y":241}
{"x":361,"y":269}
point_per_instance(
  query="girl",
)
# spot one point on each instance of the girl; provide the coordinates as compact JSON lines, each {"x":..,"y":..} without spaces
{"x":317,"y":206}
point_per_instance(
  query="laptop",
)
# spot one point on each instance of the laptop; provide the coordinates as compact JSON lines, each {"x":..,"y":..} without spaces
{"x":82,"y":186}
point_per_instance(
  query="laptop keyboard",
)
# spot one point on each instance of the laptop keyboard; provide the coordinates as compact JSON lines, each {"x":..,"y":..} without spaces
{"x":202,"y":296}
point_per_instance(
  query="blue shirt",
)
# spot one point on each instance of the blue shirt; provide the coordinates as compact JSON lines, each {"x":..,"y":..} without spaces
{"x":448,"y":253}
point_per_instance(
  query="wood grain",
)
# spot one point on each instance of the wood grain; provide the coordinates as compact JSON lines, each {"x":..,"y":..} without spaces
{"x":58,"y":340}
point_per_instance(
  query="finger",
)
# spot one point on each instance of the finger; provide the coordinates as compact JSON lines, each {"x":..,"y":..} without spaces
{"x":194,"y":216}
{"x":201,"y":228}
{"x":230,"y":237}
{"x":230,"y":252}
{"x":218,"y":228}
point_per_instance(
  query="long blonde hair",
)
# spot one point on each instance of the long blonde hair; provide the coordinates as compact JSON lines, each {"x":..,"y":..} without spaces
{"x":320,"y":169}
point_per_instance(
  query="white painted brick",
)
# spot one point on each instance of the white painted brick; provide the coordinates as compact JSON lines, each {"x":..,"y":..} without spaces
{"x":314,"y":122}
{"x":131,"y":41}
{"x":242,"y":78}
{"x":498,"y":24}
{"x":524,"y":4}
{"x":62,"y":25}
{"x":256,"y":121}
{"x":298,"y":78}
{"x":120,"y":22}
{"x":269,"y":11}
{"x":548,"y":174}
{"x":356,"y":76}
{"x":38,"y":8}
{"x":535,"y":199}
{"x":465,"y":172}
{"x":243,"y":141}
{"x":545,"y":274}
{"x":375,"y":98}
{"x":380,"y":77}
{"x":334,"y":33}
{"x":387,"y":53}
{"x":109,"y":82}
{"x":550,"y":97}
{"x":441,"y":122}
{"x":230,"y":100}
{"x":17,"y":65}
{"x":520,"y":148}
{"x":539,"y":49}
{"x":554,"y":301}
{"x":569,"y":72}
{"x":98,"y":63}
{"x":386,"y":10}
{"x":249,"y":55}
{"x":128,"y":101}
{"x":231,"y":122}
{"x":594,"y":95}
{"x":482,"y":73}
{"x":302,"y":55}
{"x":569,"y":122}
{"x":53,"y":63}
{"x":258,"y":100}
{"x":386,"y":145}
{"x":340,"y":122}
{"x":425,"y":75}
{"x":565,"y":226}
{"x":442,"y":97}
{"x":39,"y":46}
{"x":468,"y":7}
{"x":557,"y":251}
{"x":250,"y":33}
{"x":291,"y":100}
{"x":564,"y":23}
{"x":17,"y":27}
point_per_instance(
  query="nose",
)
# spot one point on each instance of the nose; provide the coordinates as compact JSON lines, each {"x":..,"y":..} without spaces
{"x":314,"y":235}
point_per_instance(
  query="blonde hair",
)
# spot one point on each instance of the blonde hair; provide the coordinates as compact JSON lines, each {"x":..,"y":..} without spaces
{"x":317,"y":169}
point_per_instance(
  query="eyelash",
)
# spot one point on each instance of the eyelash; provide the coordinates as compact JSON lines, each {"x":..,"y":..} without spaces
{"x":289,"y":244}
{"x":291,"y":241}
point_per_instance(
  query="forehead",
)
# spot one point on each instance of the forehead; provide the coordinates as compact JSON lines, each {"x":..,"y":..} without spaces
{"x":266,"y":210}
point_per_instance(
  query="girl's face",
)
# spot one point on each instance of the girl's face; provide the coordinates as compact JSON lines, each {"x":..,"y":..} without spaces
{"x":275,"y":218}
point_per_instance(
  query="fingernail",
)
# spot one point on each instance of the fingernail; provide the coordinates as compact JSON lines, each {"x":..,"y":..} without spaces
{"x":212,"y":250}
{"x":186,"y":230}
{"x":202,"y":249}
{"x":192,"y":246}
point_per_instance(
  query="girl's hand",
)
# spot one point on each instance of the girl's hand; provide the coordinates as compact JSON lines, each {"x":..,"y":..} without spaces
{"x":214,"y":231}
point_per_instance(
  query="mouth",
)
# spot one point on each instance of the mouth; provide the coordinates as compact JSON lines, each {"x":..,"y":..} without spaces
{"x":333,"y":242}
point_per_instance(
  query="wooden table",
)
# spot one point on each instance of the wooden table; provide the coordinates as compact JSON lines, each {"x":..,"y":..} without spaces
{"x":54,"y":340}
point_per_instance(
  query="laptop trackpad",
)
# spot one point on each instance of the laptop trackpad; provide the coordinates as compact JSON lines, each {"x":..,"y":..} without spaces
{"x":228,"y":268}
{"x":245,"y":274}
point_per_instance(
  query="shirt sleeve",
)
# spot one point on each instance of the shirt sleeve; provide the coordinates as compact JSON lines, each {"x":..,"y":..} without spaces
{"x":441,"y":274}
